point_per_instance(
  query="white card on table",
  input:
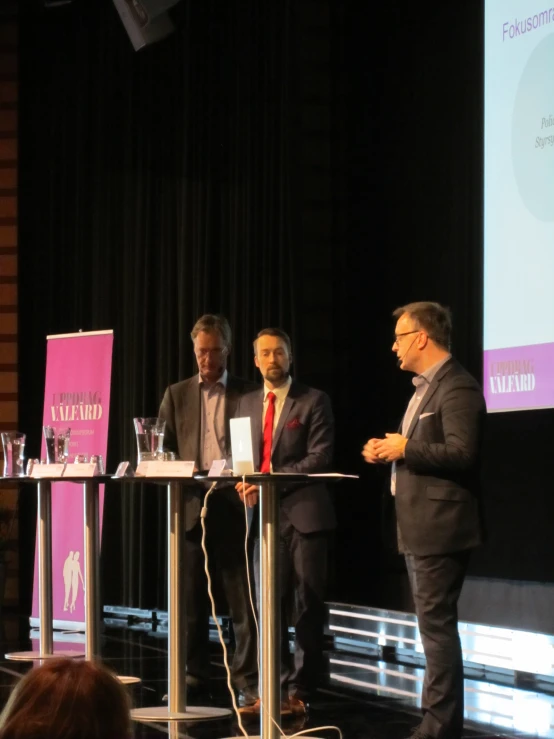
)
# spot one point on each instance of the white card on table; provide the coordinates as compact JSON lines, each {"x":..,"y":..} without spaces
{"x":81,"y":469}
{"x":124,"y":469}
{"x":47,"y":470}
{"x":218,"y":465}
{"x":154,"y":468}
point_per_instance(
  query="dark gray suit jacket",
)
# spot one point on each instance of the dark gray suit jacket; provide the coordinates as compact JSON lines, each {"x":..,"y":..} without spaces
{"x":437,"y":484}
{"x":180,"y":408}
{"x":303,"y":443}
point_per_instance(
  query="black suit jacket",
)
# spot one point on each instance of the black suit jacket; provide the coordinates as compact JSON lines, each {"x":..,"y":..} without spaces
{"x":437,"y":484}
{"x":181,"y":408}
{"x":303,"y":443}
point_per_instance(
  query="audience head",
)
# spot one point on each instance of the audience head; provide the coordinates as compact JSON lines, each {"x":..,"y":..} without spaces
{"x":67,"y":699}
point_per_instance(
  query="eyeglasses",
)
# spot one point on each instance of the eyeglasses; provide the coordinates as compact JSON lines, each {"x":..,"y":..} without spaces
{"x":406,"y":333}
{"x":217,"y":351}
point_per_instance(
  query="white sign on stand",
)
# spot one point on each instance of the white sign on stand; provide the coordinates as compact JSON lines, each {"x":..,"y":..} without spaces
{"x":241,"y":446}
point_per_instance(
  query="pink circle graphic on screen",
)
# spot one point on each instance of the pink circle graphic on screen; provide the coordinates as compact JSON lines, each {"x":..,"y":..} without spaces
{"x":533,"y":132}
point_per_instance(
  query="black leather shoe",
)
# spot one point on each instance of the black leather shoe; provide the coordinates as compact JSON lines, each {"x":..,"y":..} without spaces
{"x":254,"y":709}
{"x":297,"y":706}
{"x":247,"y":696}
{"x":419,"y":733}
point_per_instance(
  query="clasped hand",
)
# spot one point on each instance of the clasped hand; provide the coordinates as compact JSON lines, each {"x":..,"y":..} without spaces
{"x":382,"y":451}
{"x":248,"y":492}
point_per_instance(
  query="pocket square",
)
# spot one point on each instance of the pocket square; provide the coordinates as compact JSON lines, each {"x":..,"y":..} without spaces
{"x":294,"y":424}
{"x":424,"y":415}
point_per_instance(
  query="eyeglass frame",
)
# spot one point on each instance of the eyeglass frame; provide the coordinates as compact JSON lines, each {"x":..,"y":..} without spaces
{"x":405,"y":333}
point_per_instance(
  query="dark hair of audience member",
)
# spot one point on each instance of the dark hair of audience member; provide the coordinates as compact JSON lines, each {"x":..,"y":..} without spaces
{"x":67,"y":699}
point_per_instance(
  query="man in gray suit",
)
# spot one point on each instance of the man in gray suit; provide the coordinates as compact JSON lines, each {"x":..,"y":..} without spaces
{"x":435,"y":480}
{"x":292,"y":431}
{"x":197,"y":413}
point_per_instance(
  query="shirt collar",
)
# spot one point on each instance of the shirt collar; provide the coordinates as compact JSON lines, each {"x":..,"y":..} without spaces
{"x":430,"y":372}
{"x":279,"y":392}
{"x":222,"y":380}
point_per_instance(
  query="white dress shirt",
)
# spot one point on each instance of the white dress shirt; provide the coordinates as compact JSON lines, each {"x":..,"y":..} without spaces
{"x":280,"y":397}
{"x":421,"y":383}
{"x":212,"y":421}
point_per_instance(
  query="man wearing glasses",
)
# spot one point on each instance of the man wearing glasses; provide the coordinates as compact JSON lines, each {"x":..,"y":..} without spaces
{"x":435,"y":482}
{"x":197,"y":413}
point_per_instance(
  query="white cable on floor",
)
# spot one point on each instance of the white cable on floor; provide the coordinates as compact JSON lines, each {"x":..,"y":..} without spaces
{"x":203,"y":514}
{"x":316,"y":728}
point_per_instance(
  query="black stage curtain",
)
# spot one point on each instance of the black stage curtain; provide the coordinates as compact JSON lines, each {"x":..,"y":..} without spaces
{"x":415,"y":219}
{"x":306,"y":164}
{"x":154,"y":187}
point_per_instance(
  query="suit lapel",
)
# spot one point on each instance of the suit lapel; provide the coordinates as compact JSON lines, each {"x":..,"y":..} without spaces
{"x":288,"y":406}
{"x":426,"y":398}
{"x":231,"y":404}
{"x":192,"y":421}
{"x":432,"y":389}
{"x":255,"y":411}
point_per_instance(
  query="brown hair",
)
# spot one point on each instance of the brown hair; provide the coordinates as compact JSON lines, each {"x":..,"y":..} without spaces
{"x":433,"y":318}
{"x":67,"y":699}
{"x":274,"y":332}
{"x":210,"y":323}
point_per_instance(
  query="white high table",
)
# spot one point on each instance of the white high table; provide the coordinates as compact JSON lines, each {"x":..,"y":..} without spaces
{"x":270,"y":596}
{"x":270,"y":608}
{"x":44,"y":534}
{"x":91,"y":530}
{"x":177,"y":708}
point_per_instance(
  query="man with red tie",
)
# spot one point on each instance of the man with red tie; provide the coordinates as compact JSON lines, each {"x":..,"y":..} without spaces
{"x":292,"y":431}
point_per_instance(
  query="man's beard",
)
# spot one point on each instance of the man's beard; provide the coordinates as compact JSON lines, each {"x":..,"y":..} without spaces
{"x":277,"y":373}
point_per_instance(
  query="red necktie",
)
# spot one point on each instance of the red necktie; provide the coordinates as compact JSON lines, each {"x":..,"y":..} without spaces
{"x":268,"y":433}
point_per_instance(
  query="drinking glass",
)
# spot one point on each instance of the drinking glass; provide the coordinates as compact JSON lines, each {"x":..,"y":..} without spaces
{"x":150,"y":437}
{"x":57,"y":444}
{"x":13,"y":444}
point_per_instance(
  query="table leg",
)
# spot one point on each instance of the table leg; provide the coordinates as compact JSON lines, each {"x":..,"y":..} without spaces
{"x":45,"y":566}
{"x":46,"y":650}
{"x":270,"y":613}
{"x":177,"y":709}
{"x":92,"y":552}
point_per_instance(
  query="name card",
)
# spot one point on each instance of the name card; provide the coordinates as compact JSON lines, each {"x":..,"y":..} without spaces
{"x":124,"y":469}
{"x":218,"y":465}
{"x":47,"y":470}
{"x":156,"y":468}
{"x":81,"y":469}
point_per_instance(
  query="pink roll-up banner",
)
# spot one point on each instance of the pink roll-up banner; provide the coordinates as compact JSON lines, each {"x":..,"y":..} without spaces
{"x":77,"y":395}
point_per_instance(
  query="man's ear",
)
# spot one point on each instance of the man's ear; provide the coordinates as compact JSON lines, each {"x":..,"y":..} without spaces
{"x":256,"y":361}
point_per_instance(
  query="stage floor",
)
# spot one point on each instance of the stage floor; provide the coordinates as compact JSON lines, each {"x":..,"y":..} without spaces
{"x":366,"y":699}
